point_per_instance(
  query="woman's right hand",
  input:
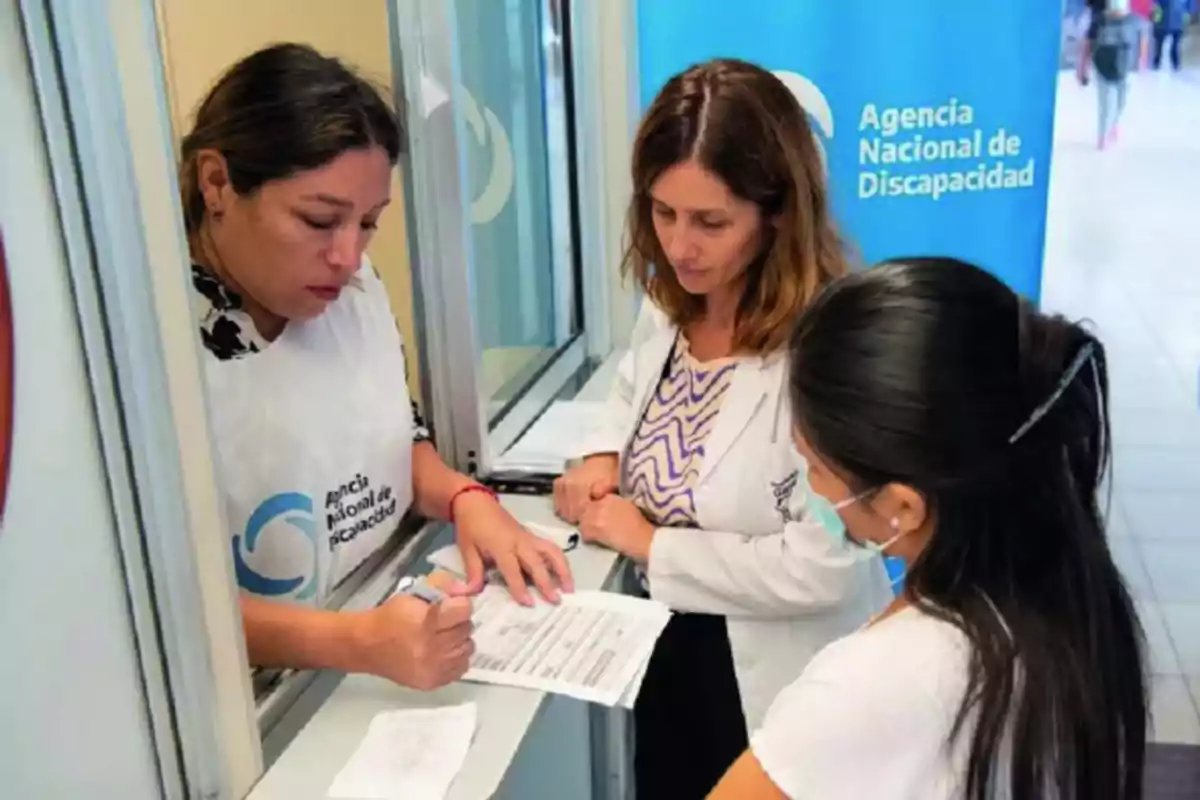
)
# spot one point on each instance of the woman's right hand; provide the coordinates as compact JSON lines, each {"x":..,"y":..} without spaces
{"x":414,"y":643}
{"x":591,"y":480}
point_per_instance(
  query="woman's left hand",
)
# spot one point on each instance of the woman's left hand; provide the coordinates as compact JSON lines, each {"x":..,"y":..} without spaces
{"x":487,"y":534}
{"x":615,"y":522}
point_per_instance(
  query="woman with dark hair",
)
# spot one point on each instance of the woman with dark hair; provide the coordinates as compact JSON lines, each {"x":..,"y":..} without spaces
{"x":948,"y":423}
{"x":693,"y":474}
{"x":319,"y":450}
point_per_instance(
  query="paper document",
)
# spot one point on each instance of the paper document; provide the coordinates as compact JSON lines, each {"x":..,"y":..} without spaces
{"x":450,"y":557}
{"x":413,"y":754}
{"x":630,"y":695}
{"x":592,"y":646}
{"x":556,"y":437}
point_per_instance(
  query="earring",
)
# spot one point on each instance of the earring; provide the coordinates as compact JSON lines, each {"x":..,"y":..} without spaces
{"x":895,"y":523}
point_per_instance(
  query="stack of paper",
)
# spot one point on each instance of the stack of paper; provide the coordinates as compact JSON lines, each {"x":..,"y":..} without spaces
{"x":557,"y":436}
{"x":413,"y":754}
{"x":593,"y":645}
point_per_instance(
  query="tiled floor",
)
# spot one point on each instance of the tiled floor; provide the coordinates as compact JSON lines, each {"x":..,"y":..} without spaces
{"x":1123,"y":249}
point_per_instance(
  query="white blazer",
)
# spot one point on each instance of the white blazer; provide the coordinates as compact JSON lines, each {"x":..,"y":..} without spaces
{"x":785,"y":585}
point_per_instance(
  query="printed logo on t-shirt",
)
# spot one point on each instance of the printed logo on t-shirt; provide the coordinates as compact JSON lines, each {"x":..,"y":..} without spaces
{"x":277,"y":555}
{"x":782,"y":490}
{"x":355,"y":507}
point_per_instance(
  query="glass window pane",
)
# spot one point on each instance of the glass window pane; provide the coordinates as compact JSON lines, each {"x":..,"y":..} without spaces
{"x":517,"y":159}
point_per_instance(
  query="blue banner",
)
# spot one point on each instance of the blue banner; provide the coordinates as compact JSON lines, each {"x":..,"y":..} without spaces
{"x":936,"y":117}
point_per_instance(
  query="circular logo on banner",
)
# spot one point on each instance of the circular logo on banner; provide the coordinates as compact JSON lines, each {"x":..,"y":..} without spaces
{"x":7,"y":380}
{"x":283,"y":526}
{"x":813,"y":101}
{"x":487,"y":127}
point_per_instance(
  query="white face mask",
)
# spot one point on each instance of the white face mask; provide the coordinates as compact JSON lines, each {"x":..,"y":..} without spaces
{"x":828,"y":515}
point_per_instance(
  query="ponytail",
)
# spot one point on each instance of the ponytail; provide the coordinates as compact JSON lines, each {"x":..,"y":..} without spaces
{"x":1063,"y":369}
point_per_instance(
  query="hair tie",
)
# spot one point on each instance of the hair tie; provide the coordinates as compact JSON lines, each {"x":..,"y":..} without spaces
{"x":1085,"y":354}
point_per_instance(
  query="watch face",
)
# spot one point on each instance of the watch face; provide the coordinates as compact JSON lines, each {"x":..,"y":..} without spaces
{"x":7,"y":377}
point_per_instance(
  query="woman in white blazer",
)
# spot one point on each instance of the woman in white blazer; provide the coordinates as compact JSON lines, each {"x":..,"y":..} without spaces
{"x":694,"y":474}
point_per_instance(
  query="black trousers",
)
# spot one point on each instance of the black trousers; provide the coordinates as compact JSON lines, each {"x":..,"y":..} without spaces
{"x":688,"y":721}
{"x":1160,"y":40}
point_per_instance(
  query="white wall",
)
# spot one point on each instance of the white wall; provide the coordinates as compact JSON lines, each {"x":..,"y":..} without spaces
{"x":72,"y":716}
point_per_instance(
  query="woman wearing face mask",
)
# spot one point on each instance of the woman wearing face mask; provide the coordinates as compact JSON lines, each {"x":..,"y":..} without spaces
{"x":694,"y":475}
{"x":947,"y":422}
{"x":320,"y":453}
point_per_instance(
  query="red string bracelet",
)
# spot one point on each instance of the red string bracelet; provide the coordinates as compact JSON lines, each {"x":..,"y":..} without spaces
{"x":468,"y":489}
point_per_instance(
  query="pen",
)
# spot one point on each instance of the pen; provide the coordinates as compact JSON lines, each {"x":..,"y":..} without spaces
{"x":529,"y":483}
{"x":419,"y":588}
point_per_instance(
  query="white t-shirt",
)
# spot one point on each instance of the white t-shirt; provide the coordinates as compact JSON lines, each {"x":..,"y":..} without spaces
{"x":313,"y":435}
{"x":871,"y":716}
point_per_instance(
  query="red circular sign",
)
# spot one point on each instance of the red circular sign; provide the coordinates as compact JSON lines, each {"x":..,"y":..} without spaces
{"x":7,"y":378}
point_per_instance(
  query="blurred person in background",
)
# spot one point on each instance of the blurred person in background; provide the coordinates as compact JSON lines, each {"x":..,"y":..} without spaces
{"x":1143,"y":13}
{"x":1171,"y":18}
{"x":1109,"y":50}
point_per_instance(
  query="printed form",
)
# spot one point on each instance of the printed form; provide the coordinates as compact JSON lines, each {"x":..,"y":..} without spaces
{"x":593,"y":646}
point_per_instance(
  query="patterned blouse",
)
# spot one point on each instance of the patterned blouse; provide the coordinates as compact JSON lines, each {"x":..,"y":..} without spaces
{"x":228,"y":332}
{"x":668,"y":448}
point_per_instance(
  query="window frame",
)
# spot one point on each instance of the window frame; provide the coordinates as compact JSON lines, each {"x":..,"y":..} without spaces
{"x":112,"y":167}
{"x":471,"y":429}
